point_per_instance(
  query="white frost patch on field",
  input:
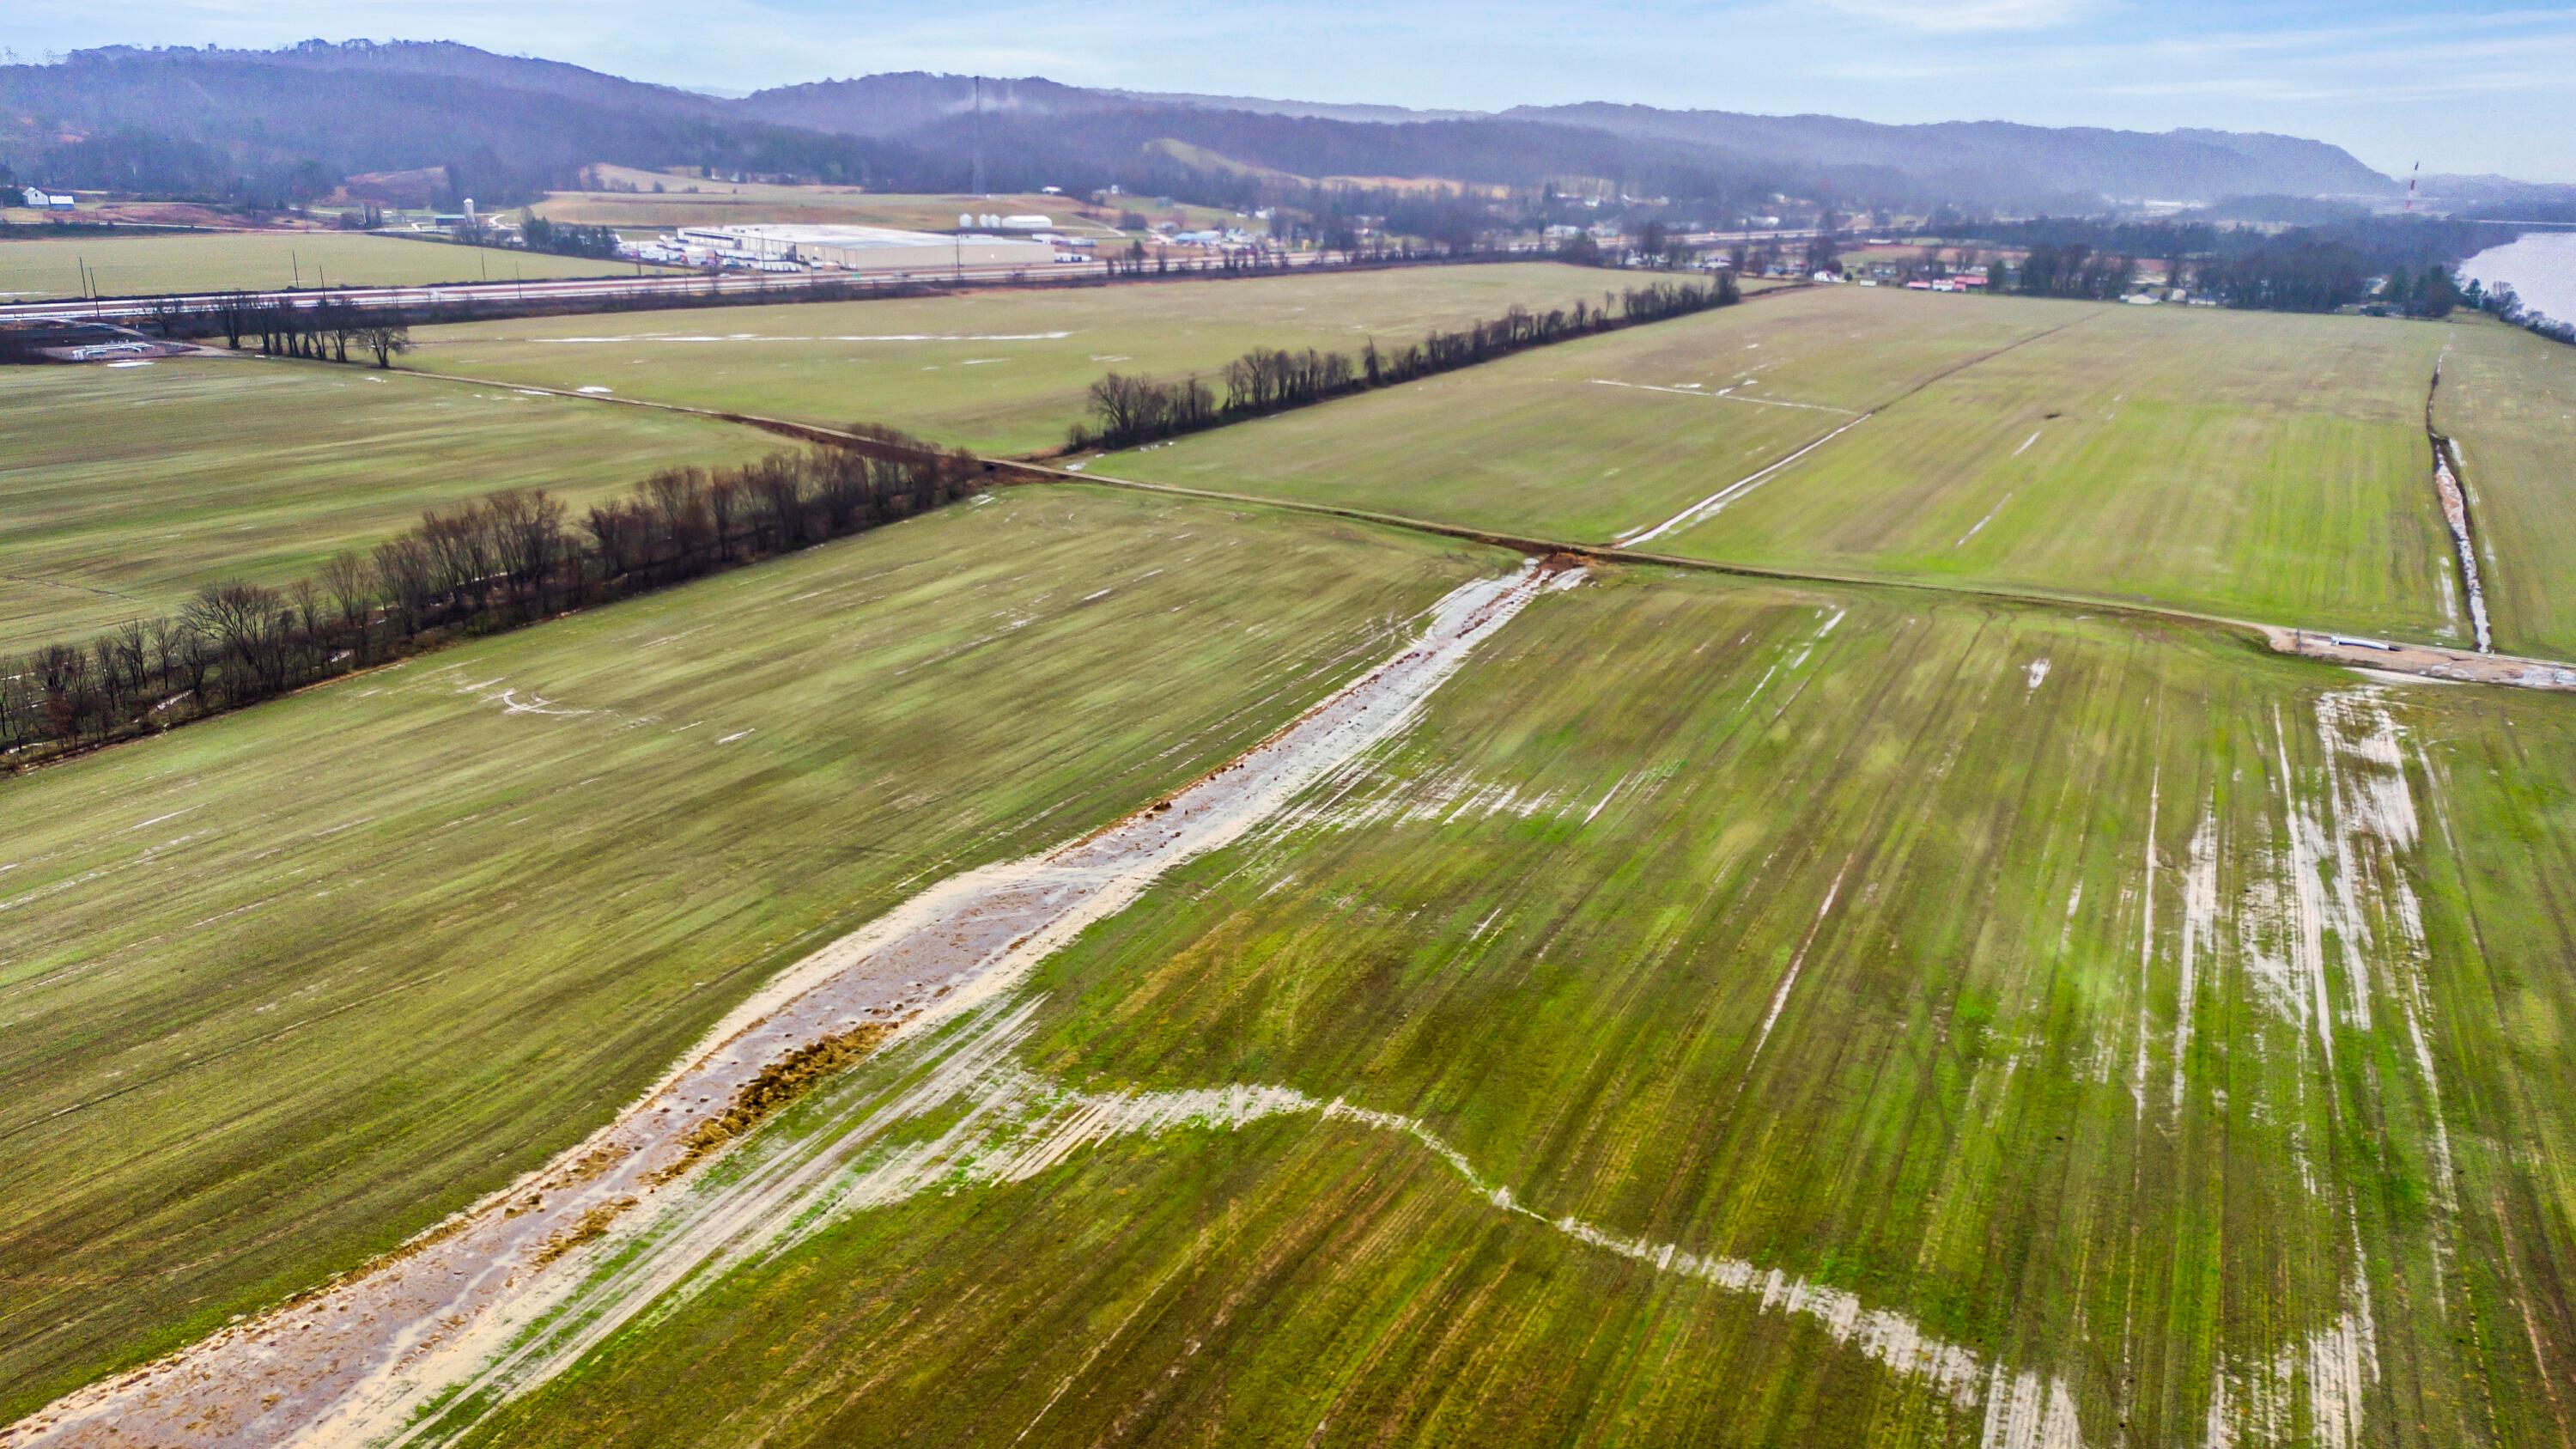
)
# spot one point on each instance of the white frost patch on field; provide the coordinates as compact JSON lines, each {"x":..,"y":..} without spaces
{"x":1724,"y":394}
{"x":1003,"y":1125}
{"x":1710,"y":506}
{"x":510,"y":702}
{"x":1367,"y":798}
{"x":2455,"y":512}
{"x":1607,"y":795}
{"x":2330,"y":1370}
{"x":1980,"y":525}
{"x":2024,"y":1413}
{"x":2199,"y":934}
{"x":2307,"y":899}
{"x":2146,"y":941}
{"x":1797,"y":963}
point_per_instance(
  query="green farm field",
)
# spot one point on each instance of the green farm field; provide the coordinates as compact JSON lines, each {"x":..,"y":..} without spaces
{"x":287,"y":986}
{"x":1798,"y":1016}
{"x":1589,"y":440}
{"x":124,"y":489}
{"x":2508,"y":403}
{"x":135,"y":266}
{"x":1001,"y":372}
{"x":2251,"y":464}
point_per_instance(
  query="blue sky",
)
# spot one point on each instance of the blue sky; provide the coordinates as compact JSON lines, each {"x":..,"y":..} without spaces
{"x":2467,"y":87}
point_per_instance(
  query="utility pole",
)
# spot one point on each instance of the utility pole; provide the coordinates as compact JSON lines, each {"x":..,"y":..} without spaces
{"x":976,"y":130}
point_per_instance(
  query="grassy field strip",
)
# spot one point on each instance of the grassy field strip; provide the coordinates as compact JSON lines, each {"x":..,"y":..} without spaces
{"x":1648,"y":533}
{"x":1000,"y":371}
{"x":122,"y":492}
{"x":2161,"y":1061}
{"x":1710,"y":506}
{"x":2261,"y":466}
{"x":1537,"y":444}
{"x":2508,"y":404}
{"x":289,"y":985}
{"x":141,"y":266}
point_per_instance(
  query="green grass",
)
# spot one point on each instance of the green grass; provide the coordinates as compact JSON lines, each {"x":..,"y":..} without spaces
{"x":2257,"y":465}
{"x":1543,"y":444}
{"x":284,"y":987}
{"x":1553,"y":923}
{"x":134,"y":266}
{"x":122,"y":490}
{"x":1006,"y":384}
{"x":2508,"y":400}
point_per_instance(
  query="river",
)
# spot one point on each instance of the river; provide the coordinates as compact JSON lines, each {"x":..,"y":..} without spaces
{"x":2541,"y":267}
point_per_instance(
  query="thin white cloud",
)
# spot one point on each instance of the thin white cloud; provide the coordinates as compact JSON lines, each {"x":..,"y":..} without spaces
{"x":1964,"y":17}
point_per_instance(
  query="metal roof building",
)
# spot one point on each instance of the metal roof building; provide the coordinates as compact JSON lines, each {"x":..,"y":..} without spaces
{"x":869,"y":248}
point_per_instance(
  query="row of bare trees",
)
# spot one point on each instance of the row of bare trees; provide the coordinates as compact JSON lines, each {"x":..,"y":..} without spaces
{"x":512,"y":557}
{"x":1125,"y":411}
{"x":324,"y":330}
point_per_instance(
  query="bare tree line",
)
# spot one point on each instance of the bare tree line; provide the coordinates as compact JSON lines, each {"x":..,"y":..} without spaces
{"x":323,"y":332}
{"x":508,"y":559}
{"x":1125,"y":410}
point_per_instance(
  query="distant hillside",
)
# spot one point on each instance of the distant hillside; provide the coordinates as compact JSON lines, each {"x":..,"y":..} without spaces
{"x":2483,"y":193}
{"x":2004,"y":162}
{"x":889,"y":105}
{"x":292,"y":123}
{"x":436,"y":58}
{"x":295,"y":122}
{"x":1315,"y":110}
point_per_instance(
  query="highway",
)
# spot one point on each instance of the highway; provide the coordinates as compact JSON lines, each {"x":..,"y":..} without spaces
{"x":499,"y":295}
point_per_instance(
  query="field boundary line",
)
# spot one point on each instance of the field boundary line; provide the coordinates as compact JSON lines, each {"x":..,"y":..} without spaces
{"x":2430,"y":661}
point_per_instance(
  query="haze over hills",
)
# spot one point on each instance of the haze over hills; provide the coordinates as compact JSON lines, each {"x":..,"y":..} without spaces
{"x":1997,"y":160}
{"x":198,"y":118}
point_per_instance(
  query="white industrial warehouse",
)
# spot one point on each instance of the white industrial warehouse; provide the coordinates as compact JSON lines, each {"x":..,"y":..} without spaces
{"x":849,"y":248}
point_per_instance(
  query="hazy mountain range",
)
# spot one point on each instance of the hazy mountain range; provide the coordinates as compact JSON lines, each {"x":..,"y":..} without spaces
{"x":205,"y":119}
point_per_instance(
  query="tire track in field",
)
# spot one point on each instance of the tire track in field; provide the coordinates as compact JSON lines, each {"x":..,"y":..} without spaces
{"x":45,"y":583}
